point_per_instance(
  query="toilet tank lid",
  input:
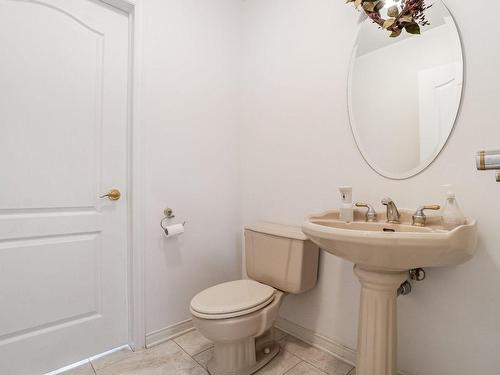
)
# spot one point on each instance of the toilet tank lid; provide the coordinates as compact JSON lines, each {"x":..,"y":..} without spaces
{"x":280,"y":230}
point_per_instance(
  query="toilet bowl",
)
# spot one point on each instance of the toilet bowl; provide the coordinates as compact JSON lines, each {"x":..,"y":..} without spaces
{"x":238,"y":316}
{"x":238,"y":330}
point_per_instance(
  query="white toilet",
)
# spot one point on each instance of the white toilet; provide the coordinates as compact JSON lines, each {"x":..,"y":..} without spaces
{"x":238,"y":316}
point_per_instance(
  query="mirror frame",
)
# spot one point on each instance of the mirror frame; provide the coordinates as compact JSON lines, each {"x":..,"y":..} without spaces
{"x":423,"y":166}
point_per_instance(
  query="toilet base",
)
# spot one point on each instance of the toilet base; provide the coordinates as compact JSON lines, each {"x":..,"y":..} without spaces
{"x":243,"y":358}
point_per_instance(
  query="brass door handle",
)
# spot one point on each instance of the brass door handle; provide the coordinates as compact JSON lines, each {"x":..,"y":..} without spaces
{"x":113,"y":195}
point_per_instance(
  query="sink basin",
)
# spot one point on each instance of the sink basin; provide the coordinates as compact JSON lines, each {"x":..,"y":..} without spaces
{"x":392,"y":246}
{"x":383,"y":253}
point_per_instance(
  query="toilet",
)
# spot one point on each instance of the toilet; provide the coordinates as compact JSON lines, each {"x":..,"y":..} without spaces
{"x":238,"y":316}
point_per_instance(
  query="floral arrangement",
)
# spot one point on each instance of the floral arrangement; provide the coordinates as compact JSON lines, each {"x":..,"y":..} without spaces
{"x":406,"y":15}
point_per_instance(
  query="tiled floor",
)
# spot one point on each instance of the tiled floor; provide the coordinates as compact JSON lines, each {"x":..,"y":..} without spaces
{"x":189,"y":354}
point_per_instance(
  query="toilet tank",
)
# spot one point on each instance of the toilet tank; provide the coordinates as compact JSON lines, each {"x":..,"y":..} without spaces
{"x":281,"y":256}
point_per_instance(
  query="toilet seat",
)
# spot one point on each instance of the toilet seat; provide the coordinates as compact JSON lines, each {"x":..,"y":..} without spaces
{"x":232,"y":299}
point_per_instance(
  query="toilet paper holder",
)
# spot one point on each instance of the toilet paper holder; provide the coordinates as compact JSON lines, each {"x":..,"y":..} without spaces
{"x":169,"y":215}
{"x":487,"y":160}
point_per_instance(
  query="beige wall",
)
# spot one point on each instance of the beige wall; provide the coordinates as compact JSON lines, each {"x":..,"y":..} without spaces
{"x":298,"y":148}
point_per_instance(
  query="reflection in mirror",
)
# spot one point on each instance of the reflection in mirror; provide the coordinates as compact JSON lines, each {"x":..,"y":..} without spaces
{"x":404,"y":93}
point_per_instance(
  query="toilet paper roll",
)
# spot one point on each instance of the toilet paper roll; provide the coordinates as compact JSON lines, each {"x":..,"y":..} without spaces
{"x":174,"y":230}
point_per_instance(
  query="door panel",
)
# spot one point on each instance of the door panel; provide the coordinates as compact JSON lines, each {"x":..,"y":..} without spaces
{"x":71,"y":120}
{"x":42,"y":291}
{"x":440,"y":91}
{"x":63,"y":143}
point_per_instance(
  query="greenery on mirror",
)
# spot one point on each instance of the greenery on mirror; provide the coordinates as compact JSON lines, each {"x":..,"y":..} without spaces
{"x":408,"y":15}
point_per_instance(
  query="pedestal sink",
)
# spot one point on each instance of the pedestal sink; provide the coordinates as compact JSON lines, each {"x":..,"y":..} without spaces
{"x":383,"y":254}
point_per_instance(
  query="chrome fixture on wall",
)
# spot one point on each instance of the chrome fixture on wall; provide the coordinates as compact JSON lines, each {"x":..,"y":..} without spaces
{"x":171,"y":229}
{"x":416,"y":274}
{"x":404,"y":289}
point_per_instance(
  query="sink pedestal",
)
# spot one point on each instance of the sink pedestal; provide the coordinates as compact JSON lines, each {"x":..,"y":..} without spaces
{"x":377,"y":330}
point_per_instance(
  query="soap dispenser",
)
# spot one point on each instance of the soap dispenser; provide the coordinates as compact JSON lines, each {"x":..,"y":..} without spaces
{"x":346,"y":209}
{"x":452,"y":215}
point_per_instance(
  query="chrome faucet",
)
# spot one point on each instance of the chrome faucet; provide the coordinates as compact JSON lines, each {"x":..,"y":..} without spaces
{"x":393,"y":216}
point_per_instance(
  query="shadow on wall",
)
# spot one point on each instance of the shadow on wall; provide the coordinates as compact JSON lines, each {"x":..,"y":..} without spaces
{"x":438,"y":303}
{"x":174,"y":251}
{"x":333,"y":303}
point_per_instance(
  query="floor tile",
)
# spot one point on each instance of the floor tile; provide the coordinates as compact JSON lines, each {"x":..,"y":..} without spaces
{"x":320,"y":359}
{"x":203,"y":357}
{"x":164,"y":359}
{"x":193,"y":342}
{"x":170,"y":358}
{"x":85,"y":369}
{"x":280,"y":364}
{"x":112,"y":358}
{"x":304,"y":368}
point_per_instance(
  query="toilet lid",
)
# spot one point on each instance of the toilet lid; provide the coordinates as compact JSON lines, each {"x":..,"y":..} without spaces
{"x":242,"y":296}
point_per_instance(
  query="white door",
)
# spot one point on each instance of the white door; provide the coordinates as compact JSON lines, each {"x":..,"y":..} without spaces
{"x":440,"y":90}
{"x":63,"y":143}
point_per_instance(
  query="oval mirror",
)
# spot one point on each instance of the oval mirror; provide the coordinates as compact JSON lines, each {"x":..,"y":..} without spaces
{"x":404,"y":93}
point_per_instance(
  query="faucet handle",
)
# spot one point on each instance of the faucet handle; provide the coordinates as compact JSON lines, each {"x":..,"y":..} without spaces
{"x":419,"y":217}
{"x":371,"y":214}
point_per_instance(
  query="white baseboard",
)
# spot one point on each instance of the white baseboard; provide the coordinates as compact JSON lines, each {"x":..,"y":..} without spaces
{"x":168,"y":333}
{"x":336,"y":349}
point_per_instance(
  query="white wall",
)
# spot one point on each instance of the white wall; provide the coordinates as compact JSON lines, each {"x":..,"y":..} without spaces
{"x":190,"y":105}
{"x":297,"y":148}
